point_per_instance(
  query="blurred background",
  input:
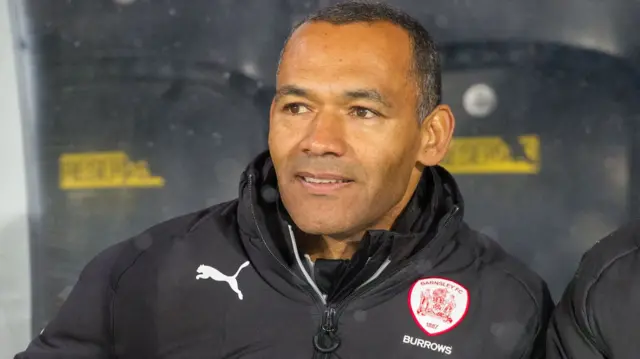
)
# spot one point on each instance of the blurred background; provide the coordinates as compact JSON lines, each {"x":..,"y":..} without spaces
{"x":118,"y":114}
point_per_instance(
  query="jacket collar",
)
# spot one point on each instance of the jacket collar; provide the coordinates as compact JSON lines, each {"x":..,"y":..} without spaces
{"x":436,"y":202}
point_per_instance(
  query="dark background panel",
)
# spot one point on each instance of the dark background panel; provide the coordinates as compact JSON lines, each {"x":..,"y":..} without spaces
{"x":180,"y":85}
{"x":244,"y":35}
{"x":602,"y":26}
{"x":581,"y":192}
{"x":198,"y":136}
{"x":186,"y":85}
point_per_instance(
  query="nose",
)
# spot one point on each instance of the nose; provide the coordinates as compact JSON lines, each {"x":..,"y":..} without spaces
{"x":325,"y":136}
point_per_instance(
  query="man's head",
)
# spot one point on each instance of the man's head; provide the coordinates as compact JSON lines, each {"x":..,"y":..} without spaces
{"x":355,"y":118}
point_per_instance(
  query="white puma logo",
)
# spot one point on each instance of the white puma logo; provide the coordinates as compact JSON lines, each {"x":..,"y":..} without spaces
{"x":206,"y":272}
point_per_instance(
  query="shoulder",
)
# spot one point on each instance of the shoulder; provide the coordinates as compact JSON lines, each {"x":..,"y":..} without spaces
{"x":514,"y":301}
{"x":511,"y":276}
{"x":617,"y":252}
{"x":604,"y":292}
{"x":613,"y":260}
{"x":114,"y":261}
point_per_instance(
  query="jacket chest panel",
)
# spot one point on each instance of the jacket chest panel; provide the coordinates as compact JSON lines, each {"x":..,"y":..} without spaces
{"x":226,"y":313}
{"x":398,"y":329}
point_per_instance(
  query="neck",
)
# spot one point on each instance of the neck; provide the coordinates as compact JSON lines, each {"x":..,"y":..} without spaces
{"x":345,"y":246}
{"x":327,"y":247}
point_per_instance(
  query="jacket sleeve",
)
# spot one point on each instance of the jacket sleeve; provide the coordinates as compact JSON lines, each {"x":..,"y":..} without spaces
{"x":538,"y":348}
{"x":81,"y":329}
{"x":568,"y":335}
{"x":597,"y":317}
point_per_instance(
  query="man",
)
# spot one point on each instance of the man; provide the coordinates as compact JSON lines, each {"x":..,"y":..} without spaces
{"x":597,"y":317}
{"x":346,"y":241}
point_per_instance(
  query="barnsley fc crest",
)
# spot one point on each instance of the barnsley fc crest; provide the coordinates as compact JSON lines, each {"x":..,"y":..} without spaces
{"x":438,"y":304}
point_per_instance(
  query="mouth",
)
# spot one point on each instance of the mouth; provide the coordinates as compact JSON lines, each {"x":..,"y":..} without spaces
{"x":316,"y":180}
{"x":323,"y":183}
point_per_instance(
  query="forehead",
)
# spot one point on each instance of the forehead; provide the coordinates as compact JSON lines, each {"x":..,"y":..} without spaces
{"x":377,"y":51}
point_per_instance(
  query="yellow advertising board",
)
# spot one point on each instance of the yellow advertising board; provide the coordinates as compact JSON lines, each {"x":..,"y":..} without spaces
{"x":467,"y":155}
{"x":113,"y":169}
{"x":493,"y":155}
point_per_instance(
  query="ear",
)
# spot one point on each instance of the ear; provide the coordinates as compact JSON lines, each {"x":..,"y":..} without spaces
{"x":436,"y":131}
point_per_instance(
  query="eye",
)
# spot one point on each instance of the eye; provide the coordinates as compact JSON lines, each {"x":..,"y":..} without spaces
{"x":295,"y":108}
{"x":364,"y":113}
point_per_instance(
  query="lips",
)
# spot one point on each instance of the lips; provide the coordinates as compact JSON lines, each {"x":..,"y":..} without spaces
{"x":323,"y":177}
{"x":323,"y":183}
{"x":323,"y":180}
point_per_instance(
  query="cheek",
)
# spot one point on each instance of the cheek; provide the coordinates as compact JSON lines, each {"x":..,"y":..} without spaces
{"x":388,"y":164}
{"x":390,"y":175}
{"x":388,"y":149}
{"x":282,"y":137}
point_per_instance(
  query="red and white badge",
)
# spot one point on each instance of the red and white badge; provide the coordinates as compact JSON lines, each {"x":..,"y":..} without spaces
{"x":438,"y":304}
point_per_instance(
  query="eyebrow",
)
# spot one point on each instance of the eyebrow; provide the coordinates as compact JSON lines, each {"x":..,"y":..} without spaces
{"x":359,"y":94}
{"x":291,"y":90}
{"x":367,"y":94}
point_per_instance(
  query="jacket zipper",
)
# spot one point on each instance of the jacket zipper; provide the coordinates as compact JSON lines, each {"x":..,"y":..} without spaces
{"x":329,"y":342}
{"x":326,"y":341}
{"x":264,"y":242}
{"x":333,"y":311}
{"x":369,"y":286}
{"x":317,"y":298}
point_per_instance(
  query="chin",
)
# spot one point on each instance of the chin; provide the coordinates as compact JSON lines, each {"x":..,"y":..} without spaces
{"x":321,"y":226}
{"x":317,"y":217}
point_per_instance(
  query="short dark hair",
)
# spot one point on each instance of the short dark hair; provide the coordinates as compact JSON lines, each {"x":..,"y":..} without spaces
{"x":426,"y":60}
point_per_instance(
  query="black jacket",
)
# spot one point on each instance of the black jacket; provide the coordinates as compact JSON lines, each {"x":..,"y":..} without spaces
{"x":227,"y":282}
{"x":598,"y":316}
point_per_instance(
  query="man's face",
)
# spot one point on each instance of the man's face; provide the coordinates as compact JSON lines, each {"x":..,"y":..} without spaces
{"x":344,"y":136}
